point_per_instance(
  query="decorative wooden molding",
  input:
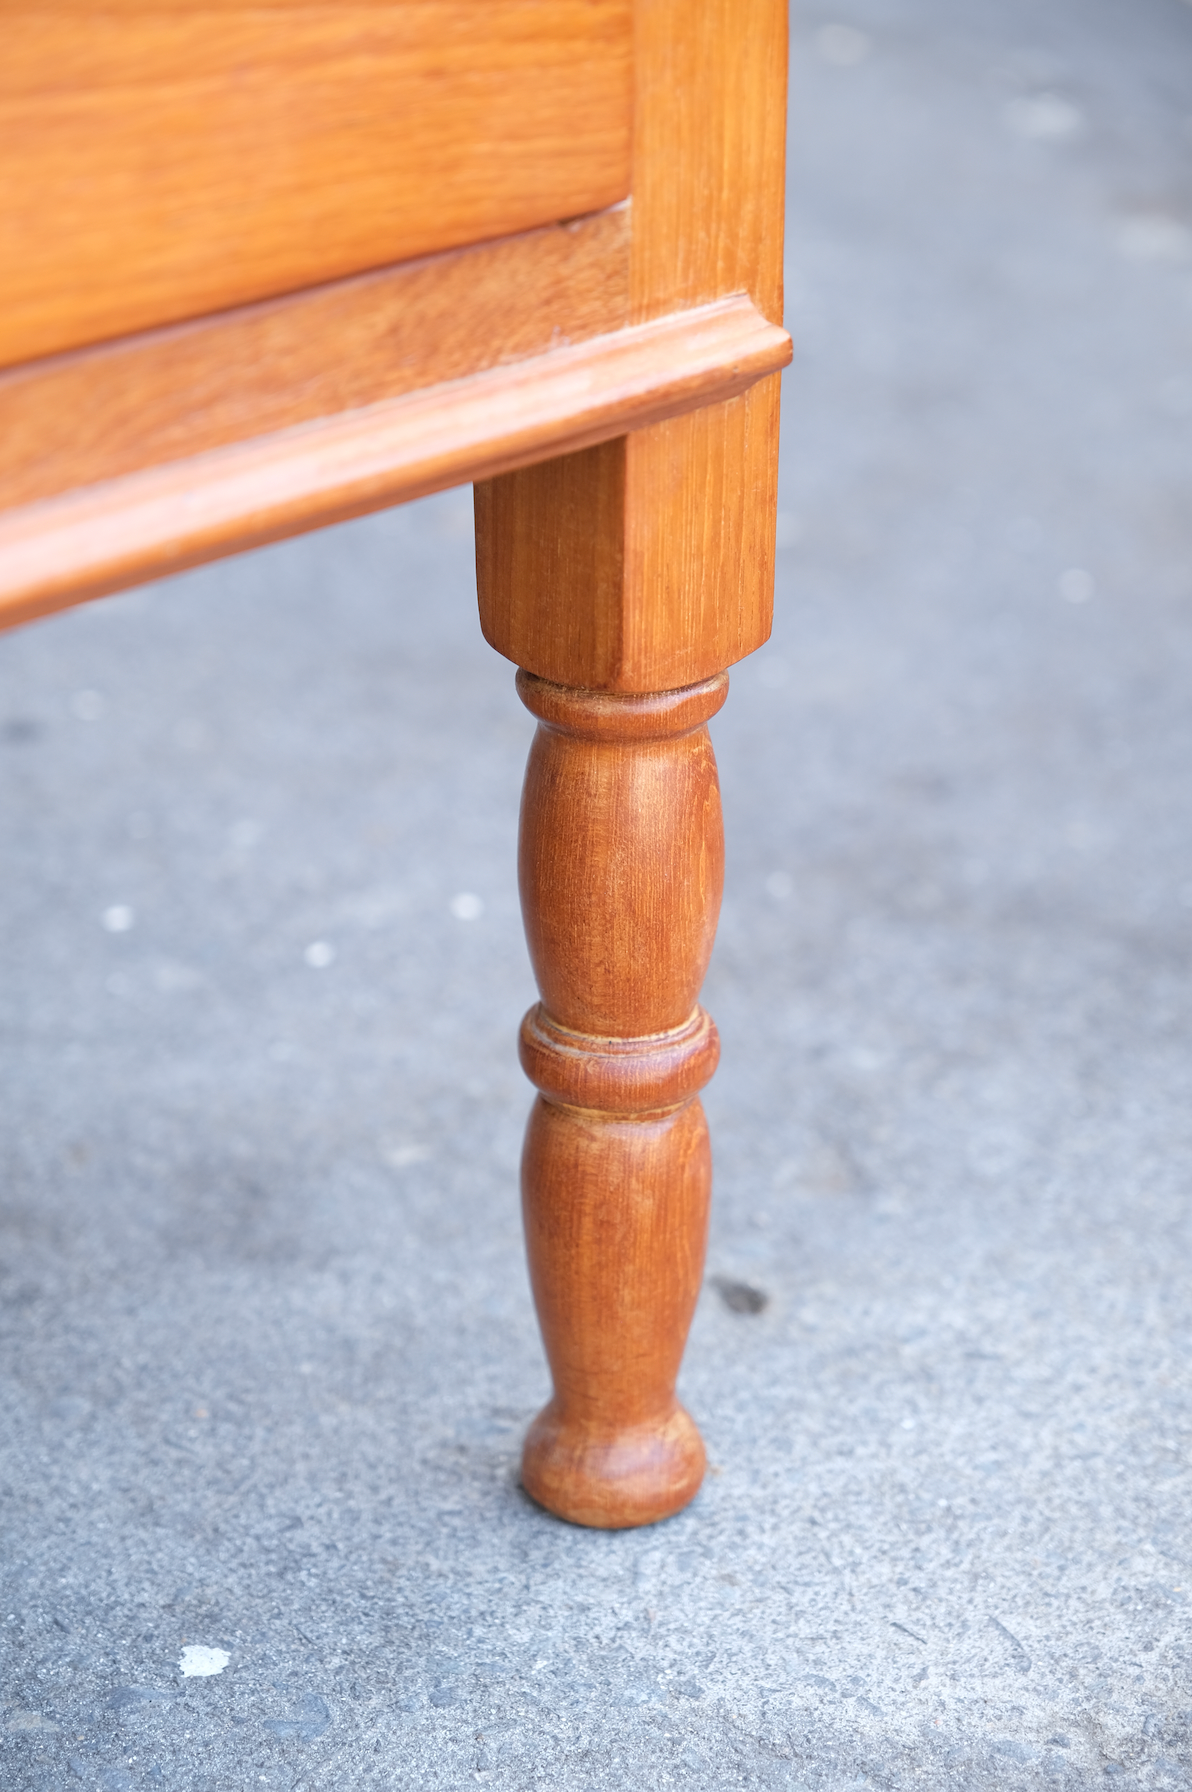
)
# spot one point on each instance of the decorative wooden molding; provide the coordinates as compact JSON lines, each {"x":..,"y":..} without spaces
{"x":621,"y":866}
{"x":124,"y":531}
{"x":98,"y":413}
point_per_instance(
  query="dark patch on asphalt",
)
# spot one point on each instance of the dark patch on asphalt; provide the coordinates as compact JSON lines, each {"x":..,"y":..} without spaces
{"x":740,"y":1297}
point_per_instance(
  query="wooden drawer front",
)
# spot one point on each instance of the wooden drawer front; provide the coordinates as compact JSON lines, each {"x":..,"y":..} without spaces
{"x":158,"y":162}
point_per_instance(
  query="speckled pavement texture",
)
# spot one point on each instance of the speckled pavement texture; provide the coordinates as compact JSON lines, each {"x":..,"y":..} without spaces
{"x":268,"y":1344}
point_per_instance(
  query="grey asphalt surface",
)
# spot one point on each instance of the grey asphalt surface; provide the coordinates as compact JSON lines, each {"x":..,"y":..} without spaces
{"x":268,"y":1343}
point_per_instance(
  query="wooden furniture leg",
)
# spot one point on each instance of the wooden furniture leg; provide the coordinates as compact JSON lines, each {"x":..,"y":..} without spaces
{"x":623,"y":579}
{"x":621,"y":867}
{"x":545,"y":255}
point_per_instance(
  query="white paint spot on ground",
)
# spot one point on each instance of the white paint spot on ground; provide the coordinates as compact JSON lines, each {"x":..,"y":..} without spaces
{"x":118,"y":919}
{"x":1076,"y":586}
{"x":467,"y":906}
{"x":1043,"y":117}
{"x":198,"y":1661}
{"x":842,"y":45}
{"x":319,"y":954}
{"x":87,"y":705}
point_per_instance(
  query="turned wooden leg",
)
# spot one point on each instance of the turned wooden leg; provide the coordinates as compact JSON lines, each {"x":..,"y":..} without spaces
{"x":621,"y":867}
{"x":623,"y":578}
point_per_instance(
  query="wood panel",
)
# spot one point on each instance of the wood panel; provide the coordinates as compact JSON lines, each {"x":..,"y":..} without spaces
{"x":122,"y":531}
{"x":160,"y":159}
{"x":74,"y":419}
{"x":681,"y":585}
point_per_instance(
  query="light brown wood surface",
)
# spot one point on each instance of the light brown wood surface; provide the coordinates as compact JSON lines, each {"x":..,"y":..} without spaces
{"x":161,"y":159}
{"x":105,"y":537}
{"x":621,"y":867}
{"x":162,"y":395}
{"x":683,"y":585}
{"x":663,"y":542}
{"x":709,"y":152}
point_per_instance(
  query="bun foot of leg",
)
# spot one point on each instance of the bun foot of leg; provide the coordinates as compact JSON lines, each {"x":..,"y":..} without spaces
{"x":613,"y":1480}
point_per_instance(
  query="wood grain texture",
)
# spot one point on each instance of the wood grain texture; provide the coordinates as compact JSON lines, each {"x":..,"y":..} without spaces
{"x":97,"y":413}
{"x":639,"y":565}
{"x":172,"y":159}
{"x":682,"y":585}
{"x":709,"y":154}
{"x":106,"y":537}
{"x":616,"y":1219}
{"x":621,"y":867}
{"x":160,"y":159}
{"x":642,"y":564}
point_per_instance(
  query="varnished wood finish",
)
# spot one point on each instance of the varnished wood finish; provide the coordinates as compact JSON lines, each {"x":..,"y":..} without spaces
{"x":663,"y":543}
{"x":162,"y":160}
{"x":621,"y":867}
{"x":640,"y":565}
{"x":610,"y":383}
{"x":683,"y":585}
{"x":616,"y":1216}
{"x":709,"y":152}
{"x":105,"y":537}
{"x":163,"y":395}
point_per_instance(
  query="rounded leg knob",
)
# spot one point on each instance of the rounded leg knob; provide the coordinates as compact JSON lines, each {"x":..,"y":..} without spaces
{"x":613,"y":1479}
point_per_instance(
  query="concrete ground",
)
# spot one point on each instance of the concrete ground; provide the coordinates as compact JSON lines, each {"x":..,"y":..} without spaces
{"x":269,"y":1348}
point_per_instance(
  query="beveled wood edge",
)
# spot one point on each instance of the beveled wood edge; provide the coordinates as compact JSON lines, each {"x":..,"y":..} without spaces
{"x":121,"y":532}
{"x":120,"y":407}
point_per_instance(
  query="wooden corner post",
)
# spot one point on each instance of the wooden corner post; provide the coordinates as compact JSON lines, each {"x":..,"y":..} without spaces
{"x":623,"y":580}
